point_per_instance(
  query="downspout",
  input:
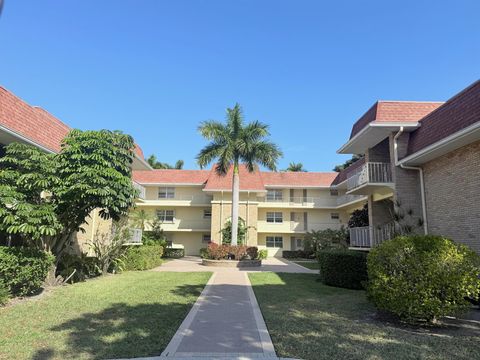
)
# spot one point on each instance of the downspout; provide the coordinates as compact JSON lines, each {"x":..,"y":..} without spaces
{"x":420,"y":171}
{"x":246,"y":224}
{"x":221,"y":219}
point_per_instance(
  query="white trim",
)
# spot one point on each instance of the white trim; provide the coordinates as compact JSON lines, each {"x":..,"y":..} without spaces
{"x":143,"y":161}
{"x":297,"y":186}
{"x":168,"y":184}
{"x":441,"y":143}
{"x":27,"y":140}
{"x":227,"y":190}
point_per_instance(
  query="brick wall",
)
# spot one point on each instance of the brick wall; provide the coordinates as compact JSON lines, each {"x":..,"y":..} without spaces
{"x":452,"y":187}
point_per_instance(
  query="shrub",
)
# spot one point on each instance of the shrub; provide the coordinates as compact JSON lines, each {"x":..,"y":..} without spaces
{"x":421,"y":278}
{"x":297,"y":254}
{"x":204,"y":253}
{"x":217,"y":252}
{"x":81,"y":266}
{"x":262,"y":254}
{"x":343,"y":268}
{"x":252,"y":252}
{"x":175,"y":253}
{"x":239,"y":252}
{"x":23,"y":270}
{"x":143,"y":257}
{"x":4,"y":293}
{"x":316,"y":240}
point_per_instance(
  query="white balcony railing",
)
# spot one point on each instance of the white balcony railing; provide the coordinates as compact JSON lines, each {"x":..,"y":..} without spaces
{"x":371,"y":172}
{"x":370,"y":236}
{"x":192,"y":199}
{"x":345,"y":199}
{"x":135,"y":236}
{"x":306,"y":201}
{"x":186,"y":225}
{"x":140,"y":189}
{"x":295,"y":226}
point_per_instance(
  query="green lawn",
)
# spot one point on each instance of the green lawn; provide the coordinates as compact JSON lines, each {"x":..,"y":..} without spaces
{"x":313,"y":265}
{"x":129,"y":315}
{"x":308,"y":320}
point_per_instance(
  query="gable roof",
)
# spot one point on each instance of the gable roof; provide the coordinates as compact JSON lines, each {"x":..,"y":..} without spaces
{"x":298,"y":179}
{"x":459,"y":112}
{"x":394,"y":111}
{"x":249,"y":181}
{"x":33,"y":123}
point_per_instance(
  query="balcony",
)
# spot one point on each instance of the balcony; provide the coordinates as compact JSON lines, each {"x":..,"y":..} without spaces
{"x":135,"y":237}
{"x":180,"y":200}
{"x":347,"y":199}
{"x":367,"y":237}
{"x":187,"y":225}
{"x":298,"y":202}
{"x":371,"y":178}
{"x":140,"y":189}
{"x":294,"y":226}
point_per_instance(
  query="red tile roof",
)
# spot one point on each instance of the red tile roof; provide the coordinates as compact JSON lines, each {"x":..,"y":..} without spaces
{"x":256,"y":181}
{"x":248,"y":181}
{"x":35,"y":123}
{"x":457,"y":113}
{"x":300,"y":179}
{"x":171,"y":176}
{"x":31,"y":122}
{"x":394,"y":111}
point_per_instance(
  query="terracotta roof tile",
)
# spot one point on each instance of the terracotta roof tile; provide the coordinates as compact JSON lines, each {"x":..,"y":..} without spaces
{"x":248,"y":181}
{"x":306,"y":179}
{"x":457,"y":113}
{"x":171,"y":176}
{"x":31,"y":122}
{"x":392,"y":111}
{"x":343,"y":175}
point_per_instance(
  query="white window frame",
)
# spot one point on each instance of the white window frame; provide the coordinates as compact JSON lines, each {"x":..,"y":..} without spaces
{"x":335,"y":216}
{"x":274,"y":217}
{"x":166,"y":192}
{"x":209,"y":238}
{"x":274,"y":195}
{"x":207,"y":216}
{"x":163,"y":214}
{"x":276,"y":240}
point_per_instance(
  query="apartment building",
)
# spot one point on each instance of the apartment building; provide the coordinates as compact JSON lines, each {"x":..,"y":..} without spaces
{"x":278,"y":208}
{"x":421,"y":164}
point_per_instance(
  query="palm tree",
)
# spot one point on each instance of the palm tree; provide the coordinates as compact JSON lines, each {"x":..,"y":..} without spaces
{"x":295,"y":167}
{"x":235,"y":142}
{"x":141,"y":218}
{"x":154,"y":163}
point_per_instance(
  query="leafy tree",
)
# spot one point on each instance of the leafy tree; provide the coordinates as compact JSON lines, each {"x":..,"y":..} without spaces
{"x":227,"y":232}
{"x":325,"y":239}
{"x":140,"y":218}
{"x":295,"y":167}
{"x":347,"y":163}
{"x":154,"y":163}
{"x":235,"y":142}
{"x":46,"y":198}
{"x":359,"y":217}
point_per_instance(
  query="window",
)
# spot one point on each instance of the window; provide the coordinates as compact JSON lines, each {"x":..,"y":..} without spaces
{"x":206,"y":238}
{"x":274,"y":241}
{"x":207,"y":214}
{"x":166,"y":215}
{"x":335,"y":216}
{"x":333,"y":192}
{"x":274,"y":217}
{"x":166,"y":193}
{"x":274,"y":195}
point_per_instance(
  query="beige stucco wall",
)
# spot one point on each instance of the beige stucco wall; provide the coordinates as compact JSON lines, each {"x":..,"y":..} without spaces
{"x":452,"y":190}
{"x":191,"y":241}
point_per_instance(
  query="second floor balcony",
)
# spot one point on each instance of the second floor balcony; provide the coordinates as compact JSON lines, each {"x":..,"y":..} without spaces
{"x":294,"y":226}
{"x":370,"y":178}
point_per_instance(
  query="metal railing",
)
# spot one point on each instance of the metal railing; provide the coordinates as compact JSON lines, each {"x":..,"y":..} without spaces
{"x":140,"y":189}
{"x":370,"y":236}
{"x":370,"y":172}
{"x":345,"y":199}
{"x":186,"y":224}
{"x":135,"y":236}
{"x":198,"y":199}
{"x":300,"y":201}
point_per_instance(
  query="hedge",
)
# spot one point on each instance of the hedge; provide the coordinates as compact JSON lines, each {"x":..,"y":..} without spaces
{"x":4,"y":293}
{"x":143,"y":257}
{"x":343,"y":268}
{"x":23,"y":270}
{"x":175,"y":253}
{"x":297,"y":254}
{"x":422,"y":278}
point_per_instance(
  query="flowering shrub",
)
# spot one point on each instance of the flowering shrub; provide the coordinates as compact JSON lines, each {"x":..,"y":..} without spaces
{"x":239,"y":252}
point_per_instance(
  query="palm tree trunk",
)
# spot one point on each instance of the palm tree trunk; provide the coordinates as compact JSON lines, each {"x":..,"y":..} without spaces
{"x":235,"y":201}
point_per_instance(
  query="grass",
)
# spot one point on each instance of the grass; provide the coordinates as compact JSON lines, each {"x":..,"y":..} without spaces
{"x":313,"y":265}
{"x":309,"y":320}
{"x":129,"y":315}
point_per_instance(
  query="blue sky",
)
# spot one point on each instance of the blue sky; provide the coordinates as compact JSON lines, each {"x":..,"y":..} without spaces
{"x":155,"y":69}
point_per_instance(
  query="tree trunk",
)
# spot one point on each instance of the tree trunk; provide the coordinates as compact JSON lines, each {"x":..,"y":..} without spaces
{"x":235,"y":201}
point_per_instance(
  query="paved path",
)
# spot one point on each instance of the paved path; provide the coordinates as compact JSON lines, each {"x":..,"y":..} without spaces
{"x":194,"y":263}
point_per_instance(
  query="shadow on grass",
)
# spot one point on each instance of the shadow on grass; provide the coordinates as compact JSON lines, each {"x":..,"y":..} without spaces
{"x":122,"y":330}
{"x":309,"y":320}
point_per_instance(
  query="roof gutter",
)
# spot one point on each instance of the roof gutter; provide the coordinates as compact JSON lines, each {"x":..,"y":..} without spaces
{"x":420,"y":171}
{"x":25,"y":139}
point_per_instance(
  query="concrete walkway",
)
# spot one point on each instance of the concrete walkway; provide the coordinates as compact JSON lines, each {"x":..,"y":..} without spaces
{"x":194,"y":263}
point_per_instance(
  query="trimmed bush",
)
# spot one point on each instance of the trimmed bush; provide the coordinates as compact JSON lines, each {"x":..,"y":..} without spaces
{"x":204,"y":253}
{"x":262,"y":254}
{"x":297,"y":254}
{"x":252,"y":252}
{"x":23,"y":270}
{"x":239,"y":252}
{"x":4,"y":293}
{"x":422,"y":278}
{"x":143,"y":257}
{"x":343,"y":268}
{"x":174,"y":253}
